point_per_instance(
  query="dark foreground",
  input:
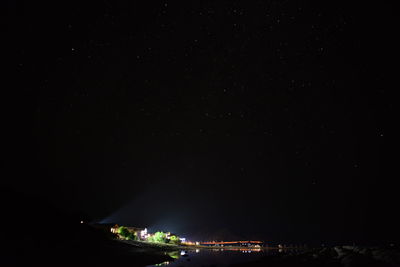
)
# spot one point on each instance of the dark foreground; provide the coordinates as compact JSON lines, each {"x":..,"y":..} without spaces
{"x":93,"y":248}
{"x":35,"y":233}
{"x":87,"y":247}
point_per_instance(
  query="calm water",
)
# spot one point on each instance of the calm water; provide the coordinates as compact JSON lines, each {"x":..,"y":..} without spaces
{"x":216,"y":257}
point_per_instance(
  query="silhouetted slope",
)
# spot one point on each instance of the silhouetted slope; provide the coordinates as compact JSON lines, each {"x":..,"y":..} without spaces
{"x":37,"y":233}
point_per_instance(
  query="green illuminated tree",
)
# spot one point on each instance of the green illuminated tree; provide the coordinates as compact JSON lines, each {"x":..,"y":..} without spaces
{"x":160,"y":237}
{"x":132,"y":236}
{"x":174,"y":240}
{"x":123,"y":231}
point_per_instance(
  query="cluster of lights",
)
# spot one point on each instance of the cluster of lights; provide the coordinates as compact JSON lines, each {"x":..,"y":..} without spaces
{"x":243,"y":250}
{"x":231,"y":242}
{"x":144,"y":234}
{"x":189,"y":243}
{"x":246,"y":251}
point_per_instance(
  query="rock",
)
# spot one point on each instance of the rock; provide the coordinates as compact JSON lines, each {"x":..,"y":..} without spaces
{"x":356,"y":259}
{"x":340,"y":252}
{"x":387,"y":256}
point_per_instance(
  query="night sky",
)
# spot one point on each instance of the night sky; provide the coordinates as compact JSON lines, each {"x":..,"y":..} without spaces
{"x":269,"y":119}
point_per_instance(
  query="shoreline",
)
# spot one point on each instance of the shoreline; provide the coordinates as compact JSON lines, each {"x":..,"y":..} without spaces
{"x":169,"y":247}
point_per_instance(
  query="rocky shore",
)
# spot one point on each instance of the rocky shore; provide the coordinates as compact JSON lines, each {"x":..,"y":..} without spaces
{"x":347,"y":256}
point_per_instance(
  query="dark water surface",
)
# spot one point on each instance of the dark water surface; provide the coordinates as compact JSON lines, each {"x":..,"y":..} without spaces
{"x":215,"y":257}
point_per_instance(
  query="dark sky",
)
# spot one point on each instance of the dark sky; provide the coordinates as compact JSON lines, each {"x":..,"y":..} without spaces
{"x":272,"y":119}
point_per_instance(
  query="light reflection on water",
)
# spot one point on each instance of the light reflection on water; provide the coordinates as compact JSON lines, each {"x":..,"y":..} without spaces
{"x":214,"y":256}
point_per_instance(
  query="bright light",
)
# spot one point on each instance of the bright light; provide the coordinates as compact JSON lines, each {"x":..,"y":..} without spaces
{"x":81,"y":221}
{"x":182,"y":239}
{"x":143,"y":233}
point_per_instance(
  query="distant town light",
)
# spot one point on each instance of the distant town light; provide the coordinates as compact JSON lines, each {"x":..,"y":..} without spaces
{"x":81,"y":221}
